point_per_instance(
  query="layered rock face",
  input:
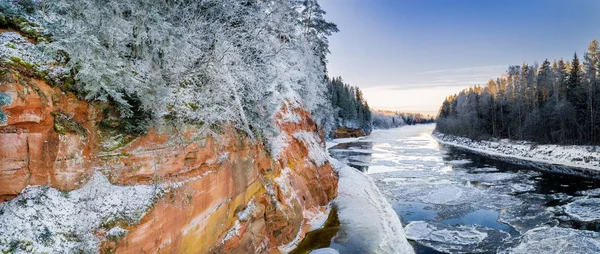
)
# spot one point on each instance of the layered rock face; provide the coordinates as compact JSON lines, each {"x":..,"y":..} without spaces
{"x":227,"y":192}
{"x":31,"y":151}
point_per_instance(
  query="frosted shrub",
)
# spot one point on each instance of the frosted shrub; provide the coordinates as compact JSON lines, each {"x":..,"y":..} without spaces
{"x":5,"y":99}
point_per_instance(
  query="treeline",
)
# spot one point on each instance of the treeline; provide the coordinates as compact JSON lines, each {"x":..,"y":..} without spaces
{"x":556,"y":102}
{"x":384,"y":119}
{"x":351,"y":109}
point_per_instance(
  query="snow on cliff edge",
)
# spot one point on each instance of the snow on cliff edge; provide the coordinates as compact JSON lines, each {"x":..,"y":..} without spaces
{"x":582,"y":157}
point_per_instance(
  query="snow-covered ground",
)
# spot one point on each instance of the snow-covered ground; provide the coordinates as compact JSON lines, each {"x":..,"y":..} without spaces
{"x":580,"y":160}
{"x":366,"y":215}
{"x":45,"y":220}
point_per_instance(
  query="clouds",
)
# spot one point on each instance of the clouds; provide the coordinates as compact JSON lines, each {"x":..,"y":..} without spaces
{"x":455,"y":78}
{"x":477,"y":69}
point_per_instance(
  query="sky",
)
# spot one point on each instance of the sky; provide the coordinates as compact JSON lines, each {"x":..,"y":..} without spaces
{"x":409,"y":55}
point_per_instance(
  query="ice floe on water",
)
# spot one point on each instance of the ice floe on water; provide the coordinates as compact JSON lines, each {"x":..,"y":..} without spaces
{"x":457,"y":202}
{"x":557,"y":240}
{"x":490,"y":178}
{"x":591,"y":193}
{"x":459,"y":162}
{"x":446,"y":194}
{"x":527,"y":216}
{"x":485,"y":170}
{"x":522,"y":187}
{"x":584,"y":209}
{"x":446,"y":238}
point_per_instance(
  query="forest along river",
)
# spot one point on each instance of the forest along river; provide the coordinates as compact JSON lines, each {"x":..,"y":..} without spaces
{"x":454,"y":201}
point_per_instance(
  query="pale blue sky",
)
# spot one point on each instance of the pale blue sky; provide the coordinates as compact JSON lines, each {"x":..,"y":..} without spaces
{"x":410,"y":54}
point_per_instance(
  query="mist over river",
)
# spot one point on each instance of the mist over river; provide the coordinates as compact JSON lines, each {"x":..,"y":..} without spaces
{"x":453,"y":201}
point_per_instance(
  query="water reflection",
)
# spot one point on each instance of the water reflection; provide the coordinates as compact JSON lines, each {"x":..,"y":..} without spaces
{"x":355,"y":154}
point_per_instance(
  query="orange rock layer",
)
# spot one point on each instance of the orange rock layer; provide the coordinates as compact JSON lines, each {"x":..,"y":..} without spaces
{"x":345,"y":132}
{"x":214,"y":177}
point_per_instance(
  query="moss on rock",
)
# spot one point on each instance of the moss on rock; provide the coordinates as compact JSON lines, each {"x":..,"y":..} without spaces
{"x":64,"y":124}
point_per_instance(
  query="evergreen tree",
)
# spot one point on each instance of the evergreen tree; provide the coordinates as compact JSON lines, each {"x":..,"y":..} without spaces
{"x":554,"y":103}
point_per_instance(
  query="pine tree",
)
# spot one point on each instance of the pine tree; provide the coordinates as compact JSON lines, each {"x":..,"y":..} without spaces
{"x":591,"y":80}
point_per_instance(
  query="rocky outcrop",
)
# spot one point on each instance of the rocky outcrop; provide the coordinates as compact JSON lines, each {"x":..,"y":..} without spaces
{"x":228,"y":193}
{"x":31,"y":150}
{"x":346,"y":132}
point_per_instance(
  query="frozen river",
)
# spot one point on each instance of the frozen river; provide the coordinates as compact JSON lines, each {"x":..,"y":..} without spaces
{"x":453,"y":201}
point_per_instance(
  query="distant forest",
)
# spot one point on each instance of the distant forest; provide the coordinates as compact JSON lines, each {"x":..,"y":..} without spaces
{"x":351,"y":109}
{"x":556,"y":102}
{"x":383,"y":119}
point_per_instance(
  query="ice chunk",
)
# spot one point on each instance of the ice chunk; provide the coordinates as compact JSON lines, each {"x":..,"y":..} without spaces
{"x":591,"y":193}
{"x":324,"y":251}
{"x":584,"y":210}
{"x":490,"y":177}
{"x":459,"y":162}
{"x":557,"y":240}
{"x":485,"y":170}
{"x":444,"y":195}
{"x":421,"y":230}
{"x":521,"y":187}
{"x":446,"y":238}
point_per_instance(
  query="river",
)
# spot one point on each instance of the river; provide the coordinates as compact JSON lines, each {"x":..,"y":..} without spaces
{"x":453,"y":201}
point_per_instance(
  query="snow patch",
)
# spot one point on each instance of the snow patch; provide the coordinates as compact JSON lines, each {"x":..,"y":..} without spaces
{"x":579,"y":157}
{"x":47,"y":220}
{"x":244,"y":215}
{"x":116,"y":232}
{"x":278,"y":144}
{"x":316,"y":152}
{"x":283,"y":181}
{"x":232,"y":232}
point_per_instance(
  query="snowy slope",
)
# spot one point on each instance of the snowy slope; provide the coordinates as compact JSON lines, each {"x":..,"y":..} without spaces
{"x":367,"y":214}
{"x":580,"y":160}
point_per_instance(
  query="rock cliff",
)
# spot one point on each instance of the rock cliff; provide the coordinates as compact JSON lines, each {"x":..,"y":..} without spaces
{"x":220,"y":190}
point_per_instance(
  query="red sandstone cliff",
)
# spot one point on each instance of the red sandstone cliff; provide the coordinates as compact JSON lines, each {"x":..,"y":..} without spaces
{"x":52,"y":138}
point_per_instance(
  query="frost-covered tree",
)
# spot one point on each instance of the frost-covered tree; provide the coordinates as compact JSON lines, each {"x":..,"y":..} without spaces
{"x":208,"y":62}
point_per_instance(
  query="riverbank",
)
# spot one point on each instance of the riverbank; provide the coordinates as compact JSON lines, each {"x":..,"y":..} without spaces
{"x":575,"y":160}
{"x":365,"y":221}
{"x":368,"y":220}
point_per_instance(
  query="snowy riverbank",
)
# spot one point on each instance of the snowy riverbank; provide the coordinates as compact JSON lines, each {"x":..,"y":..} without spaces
{"x":578,"y":160}
{"x":365,"y":213}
